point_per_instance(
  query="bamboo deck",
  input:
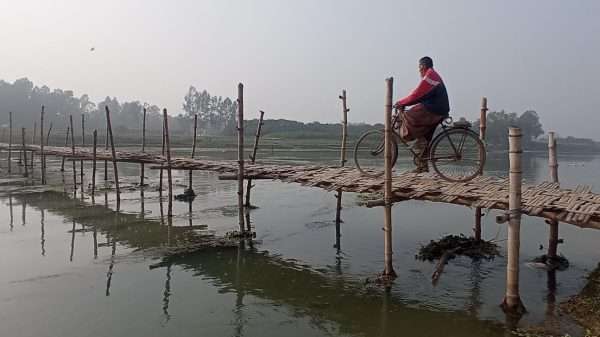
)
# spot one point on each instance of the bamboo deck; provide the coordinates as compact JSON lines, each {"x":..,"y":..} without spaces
{"x":579,"y":206}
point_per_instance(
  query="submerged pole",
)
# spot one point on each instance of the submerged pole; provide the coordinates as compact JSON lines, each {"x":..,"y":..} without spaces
{"x":62,"y":165}
{"x":42,"y":156}
{"x":95,"y":144}
{"x":190,"y":189}
{"x":482,"y":129}
{"x":553,"y":166}
{"x":388,"y":271}
{"x":169,"y":176}
{"x":143,"y":147}
{"x":114,"y":157}
{"x":9,"y":141}
{"x":26,"y":174}
{"x":240,"y":130}
{"x":512,"y":300}
{"x":338,"y":208}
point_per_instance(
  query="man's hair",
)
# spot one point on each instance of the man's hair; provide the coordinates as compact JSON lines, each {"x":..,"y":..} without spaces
{"x":426,"y":61}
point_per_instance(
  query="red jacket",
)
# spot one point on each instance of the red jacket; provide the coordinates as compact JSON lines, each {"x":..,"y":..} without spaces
{"x":431,"y":92}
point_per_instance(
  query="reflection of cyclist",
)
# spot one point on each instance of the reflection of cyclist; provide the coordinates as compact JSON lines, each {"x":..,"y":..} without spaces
{"x":430,"y":106}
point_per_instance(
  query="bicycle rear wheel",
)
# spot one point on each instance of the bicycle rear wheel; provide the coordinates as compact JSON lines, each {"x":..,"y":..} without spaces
{"x":457,"y":155}
{"x":369,"y":153}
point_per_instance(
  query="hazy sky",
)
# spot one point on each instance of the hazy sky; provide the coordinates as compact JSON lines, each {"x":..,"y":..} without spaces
{"x":294,"y":57}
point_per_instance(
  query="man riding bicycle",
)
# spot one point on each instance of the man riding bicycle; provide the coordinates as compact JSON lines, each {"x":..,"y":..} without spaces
{"x":430,"y":106}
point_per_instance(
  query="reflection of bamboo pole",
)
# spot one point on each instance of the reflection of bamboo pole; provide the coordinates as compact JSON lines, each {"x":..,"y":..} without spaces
{"x":338,"y":208}
{"x":388,"y":268}
{"x":143,"y":147}
{"x":42,"y":156}
{"x":482,"y":128}
{"x":24,"y":152}
{"x":553,"y":165}
{"x":73,"y":154}
{"x":95,"y":144}
{"x":10,"y":209}
{"x":72,"y":240}
{"x":114,"y":158}
{"x":512,"y":300}
{"x":240,"y":129}
{"x":62,"y":165}
{"x":169,"y":176}
{"x":190,"y":189}
{"x":43,"y":232}
{"x":10,"y":141}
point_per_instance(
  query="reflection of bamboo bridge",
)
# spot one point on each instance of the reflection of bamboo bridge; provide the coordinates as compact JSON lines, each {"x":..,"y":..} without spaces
{"x":577,"y":206}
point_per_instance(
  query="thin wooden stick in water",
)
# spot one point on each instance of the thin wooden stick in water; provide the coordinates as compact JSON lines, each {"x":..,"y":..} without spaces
{"x":190,"y":189}
{"x":553,"y":166}
{"x":26,"y":174}
{"x":114,"y":158}
{"x":160,"y":180}
{"x":143,"y":148}
{"x":169,"y":177}
{"x":83,"y":146}
{"x":42,"y":156}
{"x":105,"y":161}
{"x":9,"y":141}
{"x":338,"y":208}
{"x":73,"y":154}
{"x":95,"y":140}
{"x":253,"y":159}
{"x":62,"y":165}
{"x":240,"y":129}
{"x":387,"y":227}
{"x":482,"y":128}
{"x":48,"y":135}
{"x":33,"y":143}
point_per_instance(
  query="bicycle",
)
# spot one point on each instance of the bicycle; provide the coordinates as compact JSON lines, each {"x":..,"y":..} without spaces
{"x":456,"y":152}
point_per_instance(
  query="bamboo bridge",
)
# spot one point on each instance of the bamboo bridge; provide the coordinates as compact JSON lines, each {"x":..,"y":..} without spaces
{"x":578,"y":206}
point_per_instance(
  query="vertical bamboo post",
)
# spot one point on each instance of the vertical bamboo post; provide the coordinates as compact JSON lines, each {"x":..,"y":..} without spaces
{"x":169,"y":177}
{"x":95,"y":144}
{"x":33,"y":143}
{"x":388,"y":271}
{"x":240,"y":130}
{"x":62,"y":165}
{"x":83,"y":146}
{"x":143,"y":147}
{"x":338,"y":208}
{"x":160,"y":178}
{"x":106,"y":150}
{"x":48,"y":135}
{"x":9,"y":141}
{"x":190,"y":190}
{"x":73,"y":155}
{"x":114,"y":157}
{"x":482,"y":129}
{"x":253,"y":159}
{"x":26,"y":174}
{"x":553,"y":165}
{"x":512,"y":300}
{"x":42,"y":156}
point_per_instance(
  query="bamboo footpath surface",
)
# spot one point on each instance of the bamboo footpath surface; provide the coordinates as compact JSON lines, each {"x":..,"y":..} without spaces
{"x":578,"y":206}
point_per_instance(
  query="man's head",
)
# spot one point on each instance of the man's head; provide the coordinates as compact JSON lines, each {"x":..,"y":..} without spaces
{"x":424,"y":64}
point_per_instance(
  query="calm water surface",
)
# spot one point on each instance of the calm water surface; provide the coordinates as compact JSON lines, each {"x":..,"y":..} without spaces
{"x":73,"y":269}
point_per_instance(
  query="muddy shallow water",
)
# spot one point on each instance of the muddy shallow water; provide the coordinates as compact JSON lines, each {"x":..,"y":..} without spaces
{"x":70,"y":269}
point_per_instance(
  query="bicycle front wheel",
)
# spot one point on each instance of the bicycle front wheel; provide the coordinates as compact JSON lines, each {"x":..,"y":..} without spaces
{"x":457,"y":155}
{"x":369,"y":154}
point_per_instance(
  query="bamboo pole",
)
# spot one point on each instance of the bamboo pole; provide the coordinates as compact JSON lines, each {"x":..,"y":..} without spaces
{"x":388,"y":271}
{"x":160,"y":178}
{"x":114,"y":157}
{"x":62,"y":165}
{"x":26,"y":174}
{"x":482,"y":129}
{"x":83,"y":146}
{"x":253,"y":158}
{"x":105,"y":161}
{"x":95,"y":144}
{"x":512,"y":300}
{"x":338,"y":208}
{"x":33,"y":143}
{"x":553,"y":166}
{"x":240,"y":130}
{"x":190,"y":190}
{"x":42,"y":156}
{"x":9,"y":141}
{"x":169,"y":176}
{"x":48,"y":135}
{"x":143,"y":147}
{"x":73,"y":154}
